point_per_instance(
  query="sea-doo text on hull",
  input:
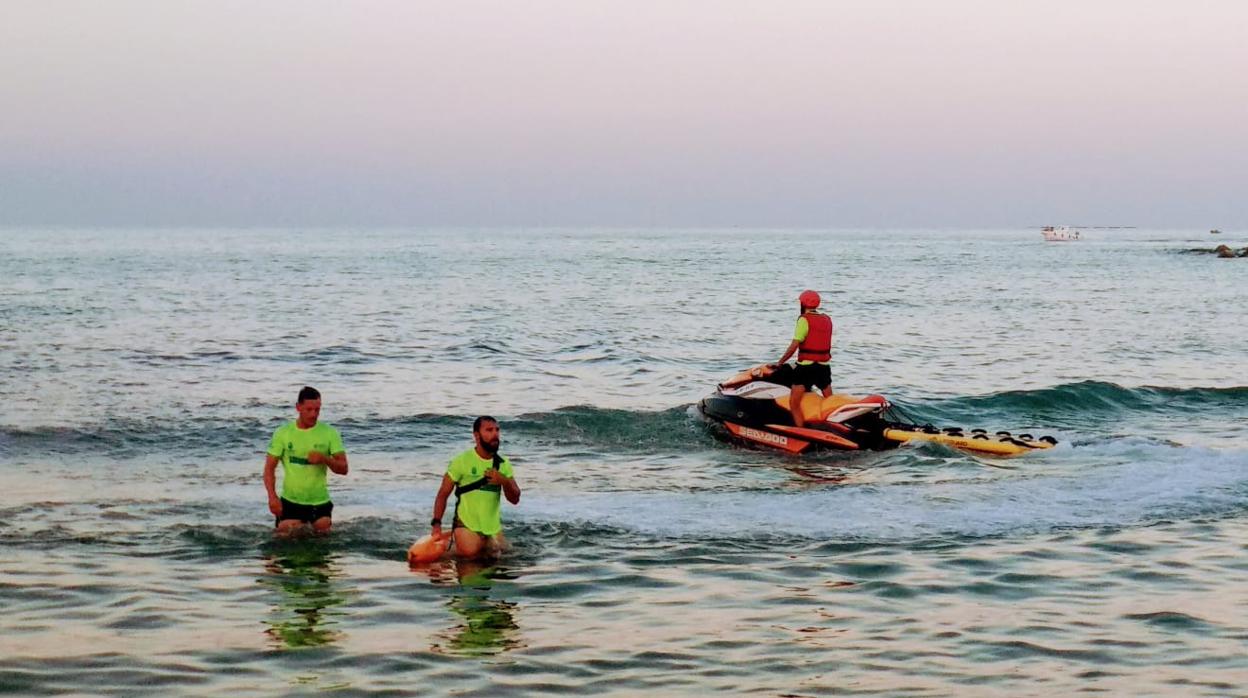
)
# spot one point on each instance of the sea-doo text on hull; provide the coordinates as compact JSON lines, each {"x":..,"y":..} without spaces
{"x":754,"y":409}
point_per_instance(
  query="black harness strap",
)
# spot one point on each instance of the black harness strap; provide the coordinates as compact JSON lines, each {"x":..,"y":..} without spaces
{"x":461,"y":490}
{"x":475,"y":485}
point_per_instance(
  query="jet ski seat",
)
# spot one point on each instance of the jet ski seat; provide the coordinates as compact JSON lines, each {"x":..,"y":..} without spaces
{"x":815,"y":407}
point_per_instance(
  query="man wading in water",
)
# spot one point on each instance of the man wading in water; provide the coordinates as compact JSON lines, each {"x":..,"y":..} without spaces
{"x":477,"y":476}
{"x":307,"y":449}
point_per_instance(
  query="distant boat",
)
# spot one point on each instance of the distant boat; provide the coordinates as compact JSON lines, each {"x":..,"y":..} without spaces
{"x":1215,"y":231}
{"x":1061,"y":233}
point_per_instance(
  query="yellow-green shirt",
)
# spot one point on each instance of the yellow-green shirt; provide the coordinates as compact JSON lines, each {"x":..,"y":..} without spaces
{"x":302,"y":482}
{"x":479,"y":509}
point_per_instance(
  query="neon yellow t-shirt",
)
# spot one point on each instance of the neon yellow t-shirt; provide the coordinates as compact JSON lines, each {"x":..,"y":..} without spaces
{"x":799,"y":335}
{"x":478,"y":509}
{"x":302,"y":482}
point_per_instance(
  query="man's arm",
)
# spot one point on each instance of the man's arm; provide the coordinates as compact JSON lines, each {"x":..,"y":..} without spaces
{"x":270,"y":484}
{"x":510,"y":489}
{"x":788,"y":352}
{"x":439,"y":502}
{"x":799,"y":333}
{"x":336,"y":463}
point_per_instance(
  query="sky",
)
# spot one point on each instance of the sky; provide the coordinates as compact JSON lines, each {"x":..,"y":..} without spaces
{"x":878,"y":113}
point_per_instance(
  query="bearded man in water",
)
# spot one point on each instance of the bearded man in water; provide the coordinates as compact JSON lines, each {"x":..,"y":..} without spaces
{"x":479,"y":477}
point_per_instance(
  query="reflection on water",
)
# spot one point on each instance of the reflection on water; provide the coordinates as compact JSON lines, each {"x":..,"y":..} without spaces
{"x":484,"y":626}
{"x":304,"y":574}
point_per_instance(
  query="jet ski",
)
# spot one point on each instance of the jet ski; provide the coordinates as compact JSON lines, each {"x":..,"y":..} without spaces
{"x":753,"y":407}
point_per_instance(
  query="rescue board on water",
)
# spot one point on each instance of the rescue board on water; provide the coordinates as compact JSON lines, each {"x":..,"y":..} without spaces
{"x":1003,"y":444}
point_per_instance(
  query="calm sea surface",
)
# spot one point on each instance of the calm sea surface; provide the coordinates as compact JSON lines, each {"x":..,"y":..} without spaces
{"x":142,"y":373}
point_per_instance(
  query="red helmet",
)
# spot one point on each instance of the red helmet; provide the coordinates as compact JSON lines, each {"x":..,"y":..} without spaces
{"x":809,"y":299}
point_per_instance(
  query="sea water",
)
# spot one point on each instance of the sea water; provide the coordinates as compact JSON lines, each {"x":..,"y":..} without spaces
{"x":142,"y":373}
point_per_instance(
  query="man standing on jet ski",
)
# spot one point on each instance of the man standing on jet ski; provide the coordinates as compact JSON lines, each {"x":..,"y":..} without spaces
{"x":812,"y":340}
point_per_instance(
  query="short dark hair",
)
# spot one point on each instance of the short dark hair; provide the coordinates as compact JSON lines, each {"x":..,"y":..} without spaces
{"x":308,"y":393}
{"x":476,"y":424}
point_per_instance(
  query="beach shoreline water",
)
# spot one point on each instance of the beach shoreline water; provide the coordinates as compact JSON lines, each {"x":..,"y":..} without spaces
{"x":145,"y":370}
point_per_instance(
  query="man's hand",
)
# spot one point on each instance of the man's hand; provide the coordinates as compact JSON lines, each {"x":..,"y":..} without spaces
{"x":275,"y":506}
{"x":496,"y":477}
{"x":337,"y":464}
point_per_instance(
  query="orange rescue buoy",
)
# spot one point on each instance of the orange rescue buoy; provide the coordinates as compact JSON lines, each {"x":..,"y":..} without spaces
{"x":428,"y":549}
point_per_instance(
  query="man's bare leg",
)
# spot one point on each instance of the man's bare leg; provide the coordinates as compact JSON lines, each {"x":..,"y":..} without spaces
{"x":496,"y":545}
{"x":291,"y":528}
{"x":795,"y":405}
{"x":469,"y":544}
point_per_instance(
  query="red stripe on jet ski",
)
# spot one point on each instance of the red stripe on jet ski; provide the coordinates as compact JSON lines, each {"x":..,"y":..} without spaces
{"x":815,"y":435}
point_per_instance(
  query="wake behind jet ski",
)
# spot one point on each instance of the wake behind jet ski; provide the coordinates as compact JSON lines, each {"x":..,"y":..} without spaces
{"x":753,"y":407}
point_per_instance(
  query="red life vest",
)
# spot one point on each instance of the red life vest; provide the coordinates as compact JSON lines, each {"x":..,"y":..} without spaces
{"x":818,"y":343}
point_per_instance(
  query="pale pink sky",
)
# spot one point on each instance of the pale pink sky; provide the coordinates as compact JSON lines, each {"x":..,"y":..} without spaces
{"x":606,"y":112}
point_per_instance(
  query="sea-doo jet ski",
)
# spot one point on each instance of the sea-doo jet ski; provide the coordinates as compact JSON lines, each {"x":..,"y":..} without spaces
{"x":753,"y":407}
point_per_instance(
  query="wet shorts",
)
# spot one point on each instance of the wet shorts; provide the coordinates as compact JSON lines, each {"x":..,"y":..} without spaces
{"x":816,"y":375}
{"x":307,"y":513}
{"x":460,"y":524}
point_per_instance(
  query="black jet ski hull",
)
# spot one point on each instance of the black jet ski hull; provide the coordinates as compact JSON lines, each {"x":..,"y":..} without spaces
{"x":765,"y":423}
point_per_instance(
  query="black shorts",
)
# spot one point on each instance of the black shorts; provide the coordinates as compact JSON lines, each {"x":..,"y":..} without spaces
{"x":307,"y":513}
{"x":460,"y":524}
{"x":816,"y":375}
